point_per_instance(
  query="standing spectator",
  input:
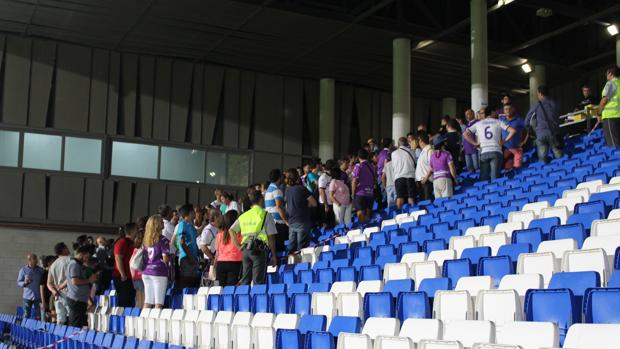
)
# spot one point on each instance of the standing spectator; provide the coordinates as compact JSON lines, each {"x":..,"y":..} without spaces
{"x":547,"y":116}
{"x":155,"y":273}
{"x":57,"y":282}
{"x":229,"y":257}
{"x":258,"y":231}
{"x":471,"y":153}
{"x":298,"y":205}
{"x":274,"y":204}
{"x":423,"y":167}
{"x":79,"y":281}
{"x":403,"y":165}
{"x":341,"y":197}
{"x":165,"y":212}
{"x":103,"y":253}
{"x":136,"y":275}
{"x":207,"y":239}
{"x":29,"y":279}
{"x":123,"y":249}
{"x":372,"y":146}
{"x":462,"y":120}
{"x":363,"y":185}
{"x":609,"y":108}
{"x":383,"y":155}
{"x":200,"y":221}
{"x":388,"y":183}
{"x":218,"y":201}
{"x":588,"y":98}
{"x":453,"y":141}
{"x":311,"y":177}
{"x":325,"y":199}
{"x":228,"y":203}
{"x":443,"y":127}
{"x":47,"y":301}
{"x":488,"y":136}
{"x":442,"y":169}
{"x":513,"y":148}
{"x":188,"y":249}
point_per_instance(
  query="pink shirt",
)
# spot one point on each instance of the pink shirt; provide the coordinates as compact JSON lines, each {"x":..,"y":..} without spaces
{"x":341,"y":191}
{"x":228,"y":252}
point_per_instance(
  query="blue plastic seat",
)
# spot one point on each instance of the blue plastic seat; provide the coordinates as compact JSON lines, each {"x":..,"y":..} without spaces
{"x":276,"y":288}
{"x":364,"y":252}
{"x":495,"y":267}
{"x":325,"y":275}
{"x":602,"y":306}
{"x":378,"y":239}
{"x":312,"y":323}
{"x":585,"y":219}
{"x":228,"y":290}
{"x":434,"y":245}
{"x":348,"y":324}
{"x":409,"y":247}
{"x":288,"y":339}
{"x":242,"y":289}
{"x":243,"y":302}
{"x":260,"y":303}
{"x":578,"y":282}
{"x":213,"y":302}
{"x":457,"y":268}
{"x":493,"y":220}
{"x":279,"y":303}
{"x":346,"y":274}
{"x":301,"y":304}
{"x":431,"y":285}
{"x":257,"y":289}
{"x":327,"y":256}
{"x":569,"y":231}
{"x":474,"y":254}
{"x":552,"y":305}
{"x":306,"y":276}
{"x":446,"y":235}
{"x":545,"y":225}
{"x":617,"y":258}
{"x":378,"y":304}
{"x":319,"y":340}
{"x":296,"y":288}
{"x":359,"y":262}
{"x":413,"y":305}
{"x":227,"y":302}
{"x":130,"y":343}
{"x":381,"y":261}
{"x":533,"y":236}
{"x":370,"y":272}
{"x":318,"y":287}
{"x":608,"y":197}
{"x":597,"y":206}
{"x":399,"y":239}
{"x":397,"y":286}
{"x":614,"y":280}
{"x":440,"y":227}
{"x":463,"y":224}
{"x":385,"y":250}
{"x":145,"y":344}
{"x":514,"y":250}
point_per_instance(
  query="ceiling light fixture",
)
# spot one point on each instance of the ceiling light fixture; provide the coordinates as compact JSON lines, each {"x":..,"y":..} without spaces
{"x":612,"y":29}
{"x":424,"y":43}
{"x":501,"y":3}
{"x":527,"y":68}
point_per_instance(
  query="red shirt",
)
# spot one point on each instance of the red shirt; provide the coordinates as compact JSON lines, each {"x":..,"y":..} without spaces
{"x":123,"y":247}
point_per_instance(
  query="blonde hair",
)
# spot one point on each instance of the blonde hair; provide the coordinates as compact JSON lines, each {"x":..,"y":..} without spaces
{"x":152,"y":232}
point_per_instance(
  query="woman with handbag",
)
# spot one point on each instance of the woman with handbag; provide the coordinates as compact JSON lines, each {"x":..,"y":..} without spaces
{"x":136,"y":273}
{"x":156,"y":258}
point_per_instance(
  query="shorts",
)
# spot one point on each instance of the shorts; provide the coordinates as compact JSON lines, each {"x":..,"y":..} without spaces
{"x":154,"y":289}
{"x":405,"y":188}
{"x":138,"y":285}
{"x":62,"y":310}
{"x":363,"y":203}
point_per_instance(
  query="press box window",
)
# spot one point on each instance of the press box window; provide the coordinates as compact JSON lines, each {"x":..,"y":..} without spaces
{"x":82,"y":155}
{"x":186,"y":165}
{"x":42,"y":151}
{"x":9,"y":148}
{"x":134,"y":160}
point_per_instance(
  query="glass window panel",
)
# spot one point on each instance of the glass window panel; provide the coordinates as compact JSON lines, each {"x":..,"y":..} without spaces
{"x":42,"y":151}
{"x":187,"y":165}
{"x":9,"y":148}
{"x":82,"y":155}
{"x":134,"y":160}
{"x":238,"y":170}
{"x":216,"y":168}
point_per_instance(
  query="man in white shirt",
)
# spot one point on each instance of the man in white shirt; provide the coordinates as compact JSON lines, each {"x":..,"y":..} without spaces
{"x":423,"y":167}
{"x":403,"y":165}
{"x":488,"y":136}
{"x":388,"y":183}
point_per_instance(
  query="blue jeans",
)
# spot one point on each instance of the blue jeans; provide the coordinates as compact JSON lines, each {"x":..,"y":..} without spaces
{"x":472,"y":161}
{"x":490,"y":165}
{"x":297,"y":236}
{"x":391,"y":195}
{"x":543,"y":143}
{"x":28,"y":312}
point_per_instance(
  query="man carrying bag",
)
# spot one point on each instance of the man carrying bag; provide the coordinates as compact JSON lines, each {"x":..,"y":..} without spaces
{"x":543,"y":118}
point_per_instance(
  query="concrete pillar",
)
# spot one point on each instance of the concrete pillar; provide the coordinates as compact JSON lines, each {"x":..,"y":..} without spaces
{"x":537,"y":78}
{"x":401,"y":87}
{"x":479,"y":55}
{"x":327,"y":109}
{"x":618,"y":50}
{"x":448,"y":106}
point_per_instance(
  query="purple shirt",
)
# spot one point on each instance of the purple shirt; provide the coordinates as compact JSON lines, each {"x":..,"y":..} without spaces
{"x":155,"y":266}
{"x":469,"y":148}
{"x":383,"y":155}
{"x":439,"y":163}
{"x":364,"y":172}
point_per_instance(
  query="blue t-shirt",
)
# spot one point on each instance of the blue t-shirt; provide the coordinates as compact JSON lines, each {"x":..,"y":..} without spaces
{"x":518,"y":124}
{"x":311,"y":181}
{"x":187,"y":232}
{"x":297,"y":209}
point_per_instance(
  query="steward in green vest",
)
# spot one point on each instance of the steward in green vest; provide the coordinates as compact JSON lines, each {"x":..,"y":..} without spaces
{"x":258,"y":232}
{"x":609,"y":108}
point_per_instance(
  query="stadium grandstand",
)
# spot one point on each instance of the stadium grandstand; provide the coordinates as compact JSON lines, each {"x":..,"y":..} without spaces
{"x":310,"y":174}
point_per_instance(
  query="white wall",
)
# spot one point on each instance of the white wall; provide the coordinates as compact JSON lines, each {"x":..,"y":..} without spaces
{"x":16,"y":244}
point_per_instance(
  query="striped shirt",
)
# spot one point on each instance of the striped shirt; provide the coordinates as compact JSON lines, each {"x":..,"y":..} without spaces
{"x":273,"y":195}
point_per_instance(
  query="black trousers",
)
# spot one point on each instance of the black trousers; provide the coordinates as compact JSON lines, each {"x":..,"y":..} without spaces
{"x":426,"y":190}
{"x":281,"y":237}
{"x":228,"y":273}
{"x":611,"y":130}
{"x":125,"y":293}
{"x":77,"y":313}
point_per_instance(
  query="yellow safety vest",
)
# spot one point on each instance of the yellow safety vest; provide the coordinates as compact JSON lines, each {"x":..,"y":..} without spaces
{"x":612,"y":108}
{"x":251,"y":223}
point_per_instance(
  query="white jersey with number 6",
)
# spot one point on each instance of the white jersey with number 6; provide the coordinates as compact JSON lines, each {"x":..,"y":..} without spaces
{"x":489,"y":133}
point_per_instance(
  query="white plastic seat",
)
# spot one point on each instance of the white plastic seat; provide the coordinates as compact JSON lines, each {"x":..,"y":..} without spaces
{"x":582,"y":193}
{"x":286,"y":321}
{"x":201,"y":301}
{"x":494,"y":241}
{"x":474,"y":284}
{"x":459,"y":243}
{"x":353,"y":341}
{"x":342,"y":240}
{"x":222,"y":325}
{"x":605,"y":227}
{"x":358,"y":238}
{"x":569,"y":202}
{"x":524,"y":217}
{"x":508,"y":228}
{"x":242,"y":335}
{"x":453,"y":305}
{"x":388,"y":222}
{"x":187,"y":333}
{"x":417,"y":214}
{"x":215,"y":290}
{"x":143,"y":323}
{"x":418,"y":329}
{"x":324,"y":303}
{"x":203,"y":291}
{"x":499,"y":306}
{"x":413,"y":257}
{"x":381,"y":326}
{"x":537,"y":207}
{"x":560,"y":211}
{"x":370,"y":230}
{"x":369,"y":286}
{"x":163,"y":325}
{"x":131,"y":323}
{"x":343,"y":286}
{"x":592,"y":186}
{"x":393,"y":342}
{"x":529,"y":334}
{"x":521,"y":283}
{"x":424,"y":270}
{"x":558,"y":247}
{"x":440,"y":256}
{"x":406,"y":220}
{"x":439,"y":344}
{"x":495,"y":346}
{"x":477,"y":231}
{"x":608,"y":187}
{"x":469,"y":332}
{"x":188,"y":302}
{"x":349,"y":304}
{"x":351,"y":233}
{"x":587,"y":260}
{"x":609,"y":243}
{"x":264,"y":337}
{"x":395,"y":271}
{"x":399,"y":217}
{"x":593,"y":336}
{"x":615,"y":180}
{"x":308,"y":255}
{"x":614,"y":214}
{"x":544,"y":264}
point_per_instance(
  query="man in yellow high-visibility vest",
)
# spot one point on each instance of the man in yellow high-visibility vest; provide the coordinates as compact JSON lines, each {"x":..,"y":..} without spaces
{"x":258,"y":236}
{"x":609,"y":108}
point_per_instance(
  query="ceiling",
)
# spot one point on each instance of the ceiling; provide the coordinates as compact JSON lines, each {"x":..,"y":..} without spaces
{"x":349,"y":40}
